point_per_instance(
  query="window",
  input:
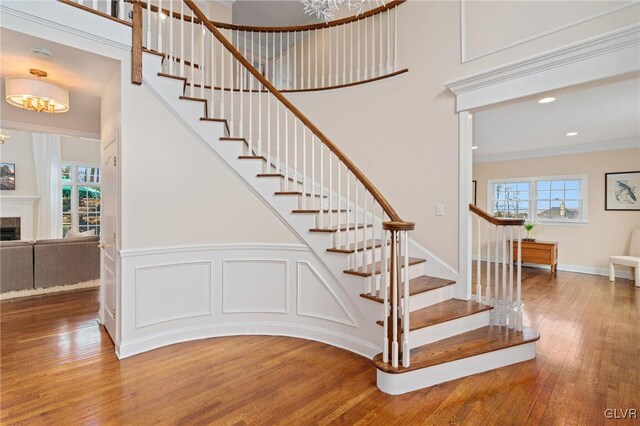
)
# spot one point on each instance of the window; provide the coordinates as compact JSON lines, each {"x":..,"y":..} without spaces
{"x":511,"y":199}
{"x":81,"y":198}
{"x":542,"y":199}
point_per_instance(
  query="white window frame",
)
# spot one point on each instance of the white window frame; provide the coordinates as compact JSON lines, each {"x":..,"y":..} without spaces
{"x":533,"y":197}
{"x":73,"y":182}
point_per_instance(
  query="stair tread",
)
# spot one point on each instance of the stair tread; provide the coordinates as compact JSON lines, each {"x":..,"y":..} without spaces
{"x":298,"y":193}
{"x":416,"y":286}
{"x":176,"y":77}
{"x":251,"y":157}
{"x":361,"y":245}
{"x":465,"y":345}
{"x":316,"y":211}
{"x":376,"y":268}
{"x":343,"y":227}
{"x":442,"y":312}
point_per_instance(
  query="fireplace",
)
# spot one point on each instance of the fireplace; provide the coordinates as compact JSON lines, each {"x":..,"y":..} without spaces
{"x":9,"y":228}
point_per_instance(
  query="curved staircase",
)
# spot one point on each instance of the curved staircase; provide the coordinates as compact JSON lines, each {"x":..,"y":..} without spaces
{"x":425,"y":335}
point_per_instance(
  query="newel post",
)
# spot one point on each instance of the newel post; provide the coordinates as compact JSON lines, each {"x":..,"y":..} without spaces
{"x":136,"y":44}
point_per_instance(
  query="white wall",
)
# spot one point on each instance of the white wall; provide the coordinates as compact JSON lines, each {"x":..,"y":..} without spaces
{"x":582,"y":247}
{"x":403,"y":132}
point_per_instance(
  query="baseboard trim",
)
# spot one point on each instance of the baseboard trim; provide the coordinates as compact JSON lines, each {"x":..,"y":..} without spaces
{"x":590,"y":270}
{"x":361,"y":347}
{"x":57,"y":289}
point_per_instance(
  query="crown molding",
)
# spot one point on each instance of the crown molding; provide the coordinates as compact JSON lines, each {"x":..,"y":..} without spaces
{"x":555,"y":151}
{"x":585,"y":58}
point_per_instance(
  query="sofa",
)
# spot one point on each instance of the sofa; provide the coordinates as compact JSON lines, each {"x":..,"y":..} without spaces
{"x":16,"y":265}
{"x":28,"y":265}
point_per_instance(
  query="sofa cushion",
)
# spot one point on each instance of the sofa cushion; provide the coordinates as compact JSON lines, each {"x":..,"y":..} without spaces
{"x":66,"y":261}
{"x":16,"y":265}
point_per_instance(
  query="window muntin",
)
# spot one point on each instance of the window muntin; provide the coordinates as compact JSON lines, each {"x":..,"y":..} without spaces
{"x":81,"y":198}
{"x":511,"y":199}
{"x":545,"y":199}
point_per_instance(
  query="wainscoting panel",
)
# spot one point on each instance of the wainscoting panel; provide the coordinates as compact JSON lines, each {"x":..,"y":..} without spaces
{"x":176,"y":294}
{"x":316,"y":299}
{"x":254,"y":286}
{"x":171,"y":292}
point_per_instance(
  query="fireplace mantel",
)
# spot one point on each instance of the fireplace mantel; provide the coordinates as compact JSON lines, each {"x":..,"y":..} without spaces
{"x":22,"y":206}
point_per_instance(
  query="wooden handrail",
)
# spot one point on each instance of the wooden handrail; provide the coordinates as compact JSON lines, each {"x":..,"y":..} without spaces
{"x":395,"y":220}
{"x":495,"y":220}
{"x":307,"y":27}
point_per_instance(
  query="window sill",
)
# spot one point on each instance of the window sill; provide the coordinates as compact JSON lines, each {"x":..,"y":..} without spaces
{"x":560,"y":223}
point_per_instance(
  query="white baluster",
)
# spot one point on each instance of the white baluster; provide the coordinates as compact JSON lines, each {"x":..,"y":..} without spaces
{"x":302,"y":70}
{"x":337,"y":50}
{"x":347,"y":216}
{"x":182,"y":40}
{"x":394,"y":303}
{"x":381,"y":43}
{"x":322,"y":221}
{"x":295,"y":60}
{"x":160,"y":14}
{"x":511,"y":313}
{"x":315,"y":62}
{"x":286,"y":149}
{"x":121,"y":12}
{"x":373,"y":45}
{"x":330,"y":190}
{"x":373,"y":245}
{"x":241,"y":83}
{"x":358,"y":43}
{"x":504,"y":275}
{"x":309,"y":60}
{"x":260,"y":143}
{"x":385,"y":298}
{"x":478,"y":270}
{"x":388,"y":14}
{"x":355,"y":224}
{"x":405,"y":311}
{"x":304,"y":167}
{"x":496,"y":287}
{"x":273,"y":60}
{"x":344,"y":53}
{"x":192,"y":56}
{"x":202,"y":61}
{"x":278,"y":165}
{"x":339,"y":206}
{"x":323,"y":55}
{"x":212,"y":78}
{"x":366,"y":49}
{"x":313,"y":170}
{"x":518,"y":313}
{"x":281,"y":80}
{"x":269,"y":126}
{"x":488,"y":286}
{"x":232,"y":94}
{"x":395,"y":39}
{"x":250,"y":81}
{"x":223,"y":113}
{"x":109,"y":9}
{"x":295,"y":153}
{"x":365,"y":262}
{"x":148,"y":46}
{"x":351,"y":54}
{"x":330,"y":62}
{"x":170,"y":24}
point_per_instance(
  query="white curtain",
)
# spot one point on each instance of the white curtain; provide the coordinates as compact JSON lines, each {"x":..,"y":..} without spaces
{"x":46,"y":156}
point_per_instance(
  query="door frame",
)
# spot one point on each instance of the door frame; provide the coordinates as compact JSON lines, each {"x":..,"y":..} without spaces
{"x":604,"y":57}
{"x":114,"y":138}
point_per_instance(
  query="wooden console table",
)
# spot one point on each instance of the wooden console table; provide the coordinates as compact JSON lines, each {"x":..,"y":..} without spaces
{"x":540,"y":252}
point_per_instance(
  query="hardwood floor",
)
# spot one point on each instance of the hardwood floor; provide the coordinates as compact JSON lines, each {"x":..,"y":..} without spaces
{"x":58,"y":367}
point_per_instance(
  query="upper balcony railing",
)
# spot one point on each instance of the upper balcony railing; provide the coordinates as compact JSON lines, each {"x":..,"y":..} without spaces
{"x":339,"y":53}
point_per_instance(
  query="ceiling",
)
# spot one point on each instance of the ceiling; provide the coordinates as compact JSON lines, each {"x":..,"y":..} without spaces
{"x":603,"y":115}
{"x":85,"y":75}
{"x":270,"y":13}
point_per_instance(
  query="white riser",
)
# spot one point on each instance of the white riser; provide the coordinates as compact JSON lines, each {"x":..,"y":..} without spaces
{"x":396,"y":384}
{"x":428,"y":298}
{"x":447,"y":329}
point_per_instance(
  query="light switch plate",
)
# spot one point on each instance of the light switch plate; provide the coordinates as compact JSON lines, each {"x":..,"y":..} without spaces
{"x":439,"y":209}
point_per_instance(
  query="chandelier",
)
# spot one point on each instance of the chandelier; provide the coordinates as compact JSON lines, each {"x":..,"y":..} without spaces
{"x":36,"y":94}
{"x":324,"y":9}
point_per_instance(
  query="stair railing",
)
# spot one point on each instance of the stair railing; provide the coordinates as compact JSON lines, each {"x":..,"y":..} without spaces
{"x":500,"y":286}
{"x":339,"y":53}
{"x":324,"y":180}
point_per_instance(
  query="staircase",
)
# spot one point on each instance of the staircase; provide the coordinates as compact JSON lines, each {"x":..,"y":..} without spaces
{"x":426,"y":336}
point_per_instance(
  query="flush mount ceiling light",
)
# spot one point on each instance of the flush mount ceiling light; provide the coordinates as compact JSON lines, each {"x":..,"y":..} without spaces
{"x":572,"y":134}
{"x":36,"y":94}
{"x":474,"y":147}
{"x":546,"y":100}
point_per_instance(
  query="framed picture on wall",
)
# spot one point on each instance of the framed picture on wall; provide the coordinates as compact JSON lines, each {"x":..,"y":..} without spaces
{"x":474,"y":191}
{"x":622,"y":191}
{"x":7,"y":176}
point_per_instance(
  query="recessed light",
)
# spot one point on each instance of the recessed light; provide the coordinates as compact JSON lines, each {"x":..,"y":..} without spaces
{"x":546,"y":100}
{"x":41,"y":51}
{"x":572,"y":134}
{"x":474,"y":147}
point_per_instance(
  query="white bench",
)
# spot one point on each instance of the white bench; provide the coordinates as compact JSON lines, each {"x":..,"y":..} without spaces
{"x":632,"y":260}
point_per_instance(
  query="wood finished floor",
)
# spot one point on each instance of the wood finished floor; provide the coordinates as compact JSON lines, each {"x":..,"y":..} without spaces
{"x":58,"y":367}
